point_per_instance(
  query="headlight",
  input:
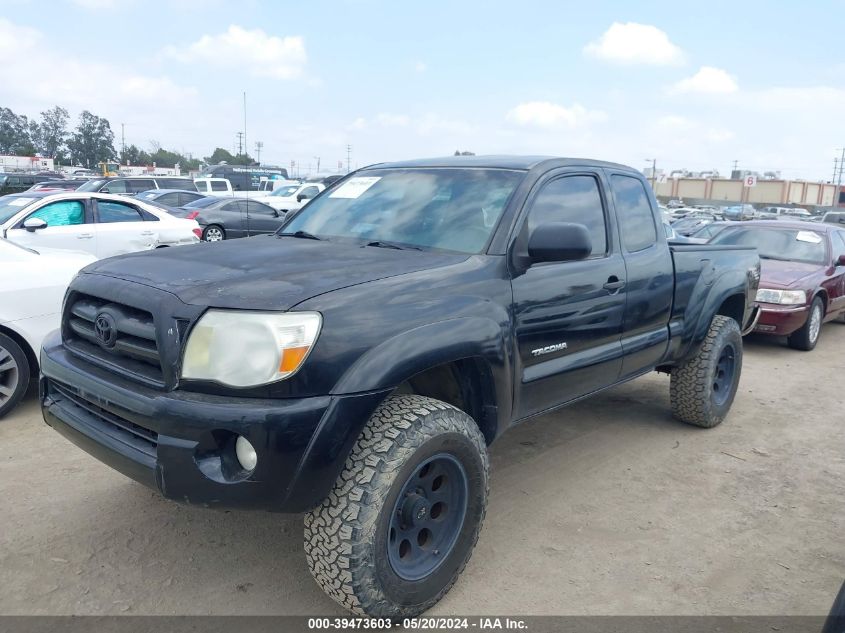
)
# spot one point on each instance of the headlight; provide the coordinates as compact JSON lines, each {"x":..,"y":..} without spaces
{"x":247,"y":349}
{"x":783,"y":297}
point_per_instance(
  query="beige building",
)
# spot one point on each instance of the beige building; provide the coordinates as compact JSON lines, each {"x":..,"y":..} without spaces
{"x":733,"y":191}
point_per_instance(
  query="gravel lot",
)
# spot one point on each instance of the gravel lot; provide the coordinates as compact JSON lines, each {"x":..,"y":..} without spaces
{"x":608,"y":507}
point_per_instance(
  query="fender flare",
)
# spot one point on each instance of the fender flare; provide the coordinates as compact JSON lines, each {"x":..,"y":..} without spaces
{"x":404,"y":355}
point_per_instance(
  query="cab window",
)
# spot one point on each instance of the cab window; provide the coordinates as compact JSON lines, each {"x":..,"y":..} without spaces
{"x":633,"y":210}
{"x":574,"y":199}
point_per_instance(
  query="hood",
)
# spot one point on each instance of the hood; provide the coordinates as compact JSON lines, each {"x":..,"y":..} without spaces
{"x":775,"y":273}
{"x":267,"y":272}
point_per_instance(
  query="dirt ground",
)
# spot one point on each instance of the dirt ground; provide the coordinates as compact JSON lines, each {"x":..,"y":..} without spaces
{"x":608,"y":507}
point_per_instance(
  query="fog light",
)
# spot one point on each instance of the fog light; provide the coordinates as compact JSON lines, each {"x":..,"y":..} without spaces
{"x":245,"y":453}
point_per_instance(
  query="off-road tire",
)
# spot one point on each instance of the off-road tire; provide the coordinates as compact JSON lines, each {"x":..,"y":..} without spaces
{"x":802,"y":338}
{"x":346,"y":535}
{"x":692,"y":384}
{"x":212,"y":228}
{"x":13,"y":385}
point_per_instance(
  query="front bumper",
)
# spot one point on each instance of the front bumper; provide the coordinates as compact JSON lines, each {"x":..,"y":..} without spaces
{"x":182,"y":443}
{"x":781,"y":320}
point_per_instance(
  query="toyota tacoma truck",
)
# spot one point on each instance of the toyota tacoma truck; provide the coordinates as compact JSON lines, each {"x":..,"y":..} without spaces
{"x":356,"y":365}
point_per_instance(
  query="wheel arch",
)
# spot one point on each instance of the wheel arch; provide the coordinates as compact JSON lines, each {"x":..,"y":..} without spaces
{"x":31,"y":356}
{"x":463,"y":361}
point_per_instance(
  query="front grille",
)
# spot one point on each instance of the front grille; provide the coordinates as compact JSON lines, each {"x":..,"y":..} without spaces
{"x":119,"y":337}
{"x":114,"y":425}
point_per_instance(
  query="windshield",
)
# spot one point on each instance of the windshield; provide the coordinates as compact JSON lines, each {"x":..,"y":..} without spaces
{"x":93,"y":185}
{"x":10,"y":205}
{"x":285,"y":191}
{"x":451,"y":209}
{"x":201,"y":203}
{"x":794,"y":245}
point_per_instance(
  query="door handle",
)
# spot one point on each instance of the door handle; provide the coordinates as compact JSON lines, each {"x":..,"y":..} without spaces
{"x":84,"y":236}
{"x":145,"y":233}
{"x":613,"y":284}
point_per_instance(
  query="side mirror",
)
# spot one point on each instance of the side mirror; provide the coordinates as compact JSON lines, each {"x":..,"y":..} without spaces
{"x":300,"y":197}
{"x":34,"y":224}
{"x":275,"y":213}
{"x":559,"y":242}
{"x":841,"y":261}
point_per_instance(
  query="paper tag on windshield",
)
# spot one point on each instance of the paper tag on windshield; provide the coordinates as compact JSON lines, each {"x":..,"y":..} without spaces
{"x":808,"y":236}
{"x":354,"y":187}
{"x":20,"y":202}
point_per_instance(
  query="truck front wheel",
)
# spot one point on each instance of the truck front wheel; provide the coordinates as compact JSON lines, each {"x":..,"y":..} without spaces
{"x":703,"y":388}
{"x":400,"y":524}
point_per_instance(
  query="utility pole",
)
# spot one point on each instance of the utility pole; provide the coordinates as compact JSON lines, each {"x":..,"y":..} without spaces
{"x":736,"y":163}
{"x":122,"y":141}
{"x":246,"y":146}
{"x":317,"y":158}
{"x":258,"y":146}
{"x":348,"y":157}
{"x":653,"y":174}
{"x":839,"y":180}
{"x":835,"y":164}
{"x":240,"y":136}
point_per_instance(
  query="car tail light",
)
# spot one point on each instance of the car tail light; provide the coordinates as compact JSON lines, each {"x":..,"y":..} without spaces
{"x":192,"y":215}
{"x":198,"y":233}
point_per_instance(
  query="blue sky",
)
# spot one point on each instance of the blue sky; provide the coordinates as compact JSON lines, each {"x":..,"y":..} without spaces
{"x":695,"y":85}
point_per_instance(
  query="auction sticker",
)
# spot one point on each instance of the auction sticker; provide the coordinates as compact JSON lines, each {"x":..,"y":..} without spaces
{"x":354,"y":187}
{"x":808,"y":236}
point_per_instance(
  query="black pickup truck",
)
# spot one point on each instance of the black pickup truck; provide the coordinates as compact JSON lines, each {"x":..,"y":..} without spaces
{"x":356,"y":365}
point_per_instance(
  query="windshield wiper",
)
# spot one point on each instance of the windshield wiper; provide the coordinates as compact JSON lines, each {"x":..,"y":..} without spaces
{"x":303,"y":234}
{"x":394,"y":245}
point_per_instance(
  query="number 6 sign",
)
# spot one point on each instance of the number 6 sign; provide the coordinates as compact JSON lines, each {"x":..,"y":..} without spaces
{"x":750,"y":180}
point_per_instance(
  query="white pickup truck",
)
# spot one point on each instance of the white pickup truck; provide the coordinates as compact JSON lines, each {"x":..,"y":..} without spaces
{"x":222,"y":188}
{"x":291,"y":197}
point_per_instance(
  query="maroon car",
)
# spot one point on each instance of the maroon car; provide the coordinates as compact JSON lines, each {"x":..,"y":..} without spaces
{"x":802,"y":277}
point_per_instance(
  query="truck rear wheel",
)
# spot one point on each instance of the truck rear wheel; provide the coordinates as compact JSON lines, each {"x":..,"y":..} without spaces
{"x":401,"y":522}
{"x":703,"y":388}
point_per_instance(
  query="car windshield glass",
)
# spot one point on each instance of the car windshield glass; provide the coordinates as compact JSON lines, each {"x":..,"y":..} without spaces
{"x":797,"y":245}
{"x":92,"y":185}
{"x":202,"y":203}
{"x":285,"y":191}
{"x":10,"y":205}
{"x":450,"y":209}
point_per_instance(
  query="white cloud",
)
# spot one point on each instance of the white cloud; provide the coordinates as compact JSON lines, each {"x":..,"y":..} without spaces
{"x":261,"y":54}
{"x":719,"y":135}
{"x":632,"y":43}
{"x":420,"y":67}
{"x":708,"y":80}
{"x":551,"y":115}
{"x":393,"y":120}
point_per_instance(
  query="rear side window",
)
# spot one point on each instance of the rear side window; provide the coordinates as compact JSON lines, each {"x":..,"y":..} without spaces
{"x":218,"y":186}
{"x":63,"y":213}
{"x":109,"y":212}
{"x":573,"y":199}
{"x":633,"y":209}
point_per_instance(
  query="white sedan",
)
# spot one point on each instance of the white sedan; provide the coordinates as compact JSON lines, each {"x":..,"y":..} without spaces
{"x":97,"y":223}
{"x":32,"y":285}
{"x":291,"y":197}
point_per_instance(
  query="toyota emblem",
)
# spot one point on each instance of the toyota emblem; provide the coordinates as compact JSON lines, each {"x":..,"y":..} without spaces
{"x":105,"y":330}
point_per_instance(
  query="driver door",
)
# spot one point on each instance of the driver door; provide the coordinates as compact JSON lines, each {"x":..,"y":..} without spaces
{"x":261,"y":219}
{"x":69,"y":226}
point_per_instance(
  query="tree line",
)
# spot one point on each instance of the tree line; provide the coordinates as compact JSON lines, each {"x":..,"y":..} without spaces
{"x":90,"y":142}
